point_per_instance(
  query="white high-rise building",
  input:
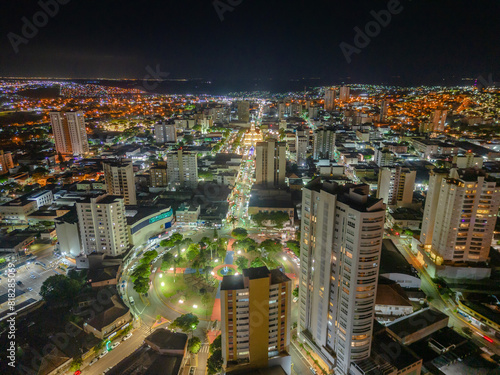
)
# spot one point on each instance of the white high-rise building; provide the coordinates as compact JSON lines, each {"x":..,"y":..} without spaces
{"x":330,"y":100}
{"x":396,"y":185}
{"x":103,"y":225}
{"x":270,"y":167}
{"x":70,"y":133}
{"x":460,"y":224}
{"x":182,"y":169}
{"x":120,"y":180}
{"x":165,"y":133}
{"x":301,"y":145}
{"x":345,"y":93}
{"x":436,"y":177}
{"x":324,"y":144}
{"x":341,"y":242}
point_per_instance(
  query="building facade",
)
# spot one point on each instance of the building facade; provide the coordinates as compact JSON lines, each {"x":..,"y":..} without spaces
{"x":182,"y":169}
{"x":324,"y":144}
{"x":342,"y":231}
{"x":165,"y":133}
{"x":255,"y":323}
{"x":396,"y":185}
{"x":6,"y":162}
{"x":270,"y":166}
{"x":120,"y":180}
{"x":103,"y":225}
{"x":70,"y":133}
{"x":464,"y":217}
{"x":330,"y":100}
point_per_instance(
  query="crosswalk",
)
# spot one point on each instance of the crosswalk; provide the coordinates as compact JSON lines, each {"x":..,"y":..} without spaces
{"x":204,"y":348}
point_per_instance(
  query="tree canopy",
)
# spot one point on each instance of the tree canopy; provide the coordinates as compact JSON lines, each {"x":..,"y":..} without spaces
{"x":194,"y":345}
{"x":60,"y":288}
{"x":186,"y":322}
{"x":271,"y":247}
{"x":214,"y":362}
{"x":239,"y":234}
{"x":277,"y":218}
{"x":294,"y":246}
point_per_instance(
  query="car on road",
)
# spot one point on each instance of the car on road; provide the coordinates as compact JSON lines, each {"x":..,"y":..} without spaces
{"x":105,"y":371}
{"x":103,"y":354}
{"x":192,"y":370}
{"x":33,"y":276}
{"x":312,"y":370}
{"x":29,"y":289}
{"x":19,"y":282}
{"x":131,"y":300}
{"x":129,"y":335}
{"x":115,"y":345}
{"x":93,"y":361}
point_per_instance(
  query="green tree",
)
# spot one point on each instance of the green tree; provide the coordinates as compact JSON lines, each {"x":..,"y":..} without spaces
{"x":164,"y":243}
{"x":141,"y":285}
{"x":186,"y":323}
{"x":241,"y":263}
{"x":193,"y":252}
{"x":239,"y":234}
{"x":76,"y":364}
{"x":216,"y":344}
{"x":60,"y":289}
{"x":148,"y":256}
{"x":294,"y":246}
{"x":271,"y":247}
{"x":257,"y":262}
{"x":247,"y":245}
{"x":142,"y":271}
{"x":167,"y":261}
{"x":194,"y":345}
{"x":214,"y":363}
{"x":295,"y":292}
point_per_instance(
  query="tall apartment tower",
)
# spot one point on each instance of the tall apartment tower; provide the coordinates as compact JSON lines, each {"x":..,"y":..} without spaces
{"x":6,"y":162}
{"x":281,"y":109}
{"x":182,"y":169}
{"x":384,"y":108}
{"x":344,"y":93}
{"x":270,"y":166}
{"x":165,"y":133}
{"x":436,"y":177}
{"x":330,"y":100}
{"x":244,"y":111}
{"x":70,"y":133}
{"x":439,"y":119}
{"x":120,"y":180}
{"x":255,"y":320}
{"x":103,"y":225}
{"x":464,"y":217}
{"x":324,"y":144}
{"x":396,"y":185}
{"x":301,"y":144}
{"x":341,"y":242}
{"x":158,"y":175}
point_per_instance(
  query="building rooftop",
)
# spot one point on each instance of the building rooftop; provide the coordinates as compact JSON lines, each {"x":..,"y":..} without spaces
{"x":167,"y":340}
{"x":108,"y":316}
{"x":135,"y":214}
{"x":146,"y":361}
{"x":232,"y":282}
{"x":415,"y":322}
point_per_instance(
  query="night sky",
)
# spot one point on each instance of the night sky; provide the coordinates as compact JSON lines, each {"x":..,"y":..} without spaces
{"x":426,"y":42}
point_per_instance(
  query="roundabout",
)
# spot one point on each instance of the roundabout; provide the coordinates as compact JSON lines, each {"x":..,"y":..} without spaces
{"x":223,"y":270}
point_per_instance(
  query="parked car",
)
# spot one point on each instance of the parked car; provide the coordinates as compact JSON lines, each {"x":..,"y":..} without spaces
{"x":115,"y":345}
{"x":29,"y":289}
{"x":103,"y":354}
{"x":93,"y":361}
{"x":129,"y":335}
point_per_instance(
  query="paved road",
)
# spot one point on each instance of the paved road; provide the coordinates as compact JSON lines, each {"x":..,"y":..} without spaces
{"x":300,"y":366}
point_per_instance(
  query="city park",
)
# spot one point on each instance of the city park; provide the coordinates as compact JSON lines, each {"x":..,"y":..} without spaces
{"x":188,"y":276}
